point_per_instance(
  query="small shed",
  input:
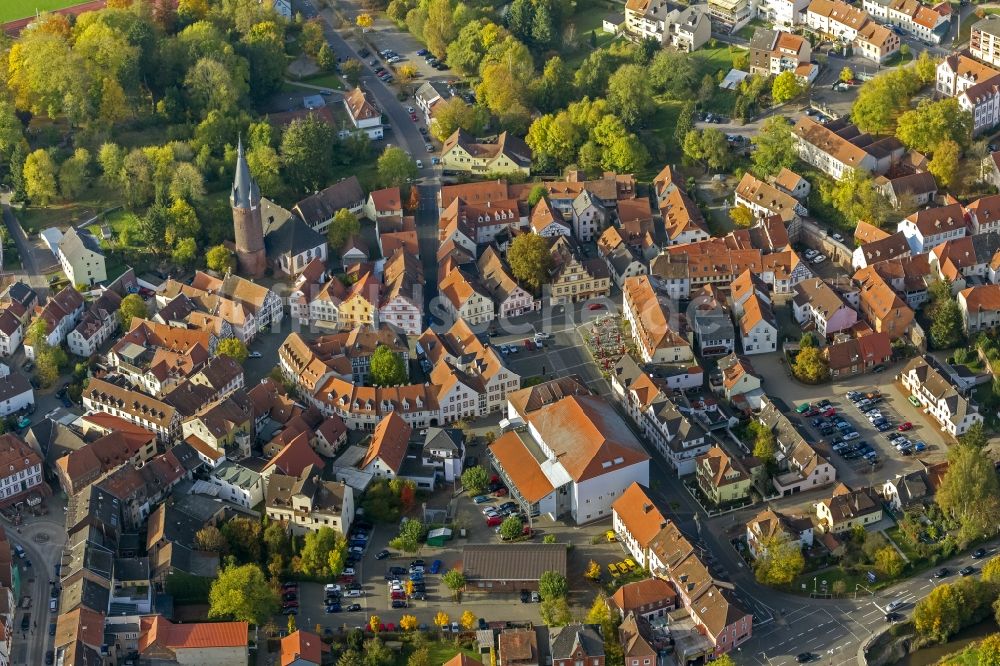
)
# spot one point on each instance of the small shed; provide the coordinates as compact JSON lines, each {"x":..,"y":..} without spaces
{"x":438,"y":537}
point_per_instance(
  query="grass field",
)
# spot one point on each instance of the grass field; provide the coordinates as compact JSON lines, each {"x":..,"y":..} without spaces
{"x":11,"y":10}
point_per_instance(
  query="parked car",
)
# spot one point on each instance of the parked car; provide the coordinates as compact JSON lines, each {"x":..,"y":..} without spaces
{"x":966,"y":571}
{"x":382,"y":554}
{"x":979,"y":554}
{"x":435,"y":566}
{"x":903,"y":427}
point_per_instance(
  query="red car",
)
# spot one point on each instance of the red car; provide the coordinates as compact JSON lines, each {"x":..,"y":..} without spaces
{"x":413,"y":117}
{"x":529,"y":345}
{"x":903,"y":427}
{"x":595,"y":306}
{"x":501,"y":492}
{"x":830,"y":411}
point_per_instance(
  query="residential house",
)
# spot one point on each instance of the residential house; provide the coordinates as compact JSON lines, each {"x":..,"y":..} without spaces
{"x":769,"y":525}
{"x":966,"y":260}
{"x":775,"y":51}
{"x":11,"y":332}
{"x":225,"y":425}
{"x":387,"y":202}
{"x":364,"y":115}
{"x":817,"y":305}
{"x":461,"y":152}
{"x":307,"y":502}
{"x":838,"y":146}
{"x":303,"y":648}
{"x":683,"y":28}
{"x":119,"y":398}
{"x":96,"y":325}
{"x":722,"y":478}
{"x":909,"y":190}
{"x":938,"y":397}
{"x":928,"y":24}
{"x":649,"y":599}
{"x":589,"y":216}
{"x":16,"y":394}
{"x":660,"y":336}
{"x":984,"y":40}
{"x":855,"y":356}
{"x":429,"y":95}
{"x":880,"y":305}
{"x":61,"y":314}
{"x":318,"y":210}
{"x":713,"y":328}
{"x":238,"y":484}
{"x":876,"y":42}
{"x":914,"y":489}
{"x":78,"y":469}
{"x":588,"y":456}
{"x":576,"y":278}
{"x":765,"y":200}
{"x":509,"y":298}
{"x":738,"y":376}
{"x":848,"y":508}
{"x":81,"y":257}
{"x":465,"y":297}
{"x":758,"y":327}
{"x":636,"y":520}
{"x":21,"y":471}
{"x":932,"y":226}
{"x":639,"y":643}
{"x":984,"y":214}
{"x":890,"y":247}
{"x":802,"y":467}
{"x":975,"y":84}
{"x":783,"y":13}
{"x":729,"y":16}
{"x":576,"y":644}
{"x":980,"y":306}
{"x":193,"y":642}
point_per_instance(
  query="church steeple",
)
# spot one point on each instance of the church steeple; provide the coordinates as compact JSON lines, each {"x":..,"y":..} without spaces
{"x":248,"y":227}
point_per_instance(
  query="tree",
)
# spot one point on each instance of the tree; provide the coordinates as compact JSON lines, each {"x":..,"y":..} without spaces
{"x":856,"y":197}
{"x":307,"y":153}
{"x":888,"y":562}
{"x":468,"y":620}
{"x":881,"y":99}
{"x":538,"y":192}
{"x":373,"y":623}
{"x":408,"y":622}
{"x":944,"y":165}
{"x":629,"y":94}
{"x":846,"y":74}
{"x":673,"y":73}
{"x":187,"y":183}
{"x":421,"y":656}
{"x":599,"y":612}
{"x":593,"y":570}
{"x":765,"y":444}
{"x":39,"y":174}
{"x":741,"y":216}
{"x":185,"y":252}
{"x":376,"y":653}
{"x":326,"y":59}
{"x":811,"y":366}
{"x":552,"y":585}
{"x":364,"y":21}
{"x":707,"y":89}
{"x":411,"y":536}
{"x":685,"y":122}
{"x":950,"y":607}
{"x":780,"y":561}
{"x":210,"y":539}
{"x":132,"y":306}
{"x":975,"y":437}
{"x":441,"y":619}
{"x":511,"y":528}
{"x":311,"y":38}
{"x":234,"y":348}
{"x":219,"y":259}
{"x":555,"y":612}
{"x":475,"y":479}
{"x":73,"y":174}
{"x":808,"y":339}
{"x":455,"y":114}
{"x":454,"y":579}
{"x":925,"y":68}
{"x":989,"y":647}
{"x":925,"y":127}
{"x":970,"y":492}
{"x":352,"y":72}
{"x":708,"y":147}
{"x":241,"y":593}
{"x":407,"y":72}
{"x":395,"y":167}
{"x":946,"y":316}
{"x":786,"y":87}
{"x":991,"y":570}
{"x":530,"y":260}
{"x":244,"y":537}
{"x":345,"y":224}
{"x":387,"y":367}
{"x":775,"y":147}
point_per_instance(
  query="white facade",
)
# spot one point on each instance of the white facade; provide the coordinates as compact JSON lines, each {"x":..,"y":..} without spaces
{"x":783,"y":13}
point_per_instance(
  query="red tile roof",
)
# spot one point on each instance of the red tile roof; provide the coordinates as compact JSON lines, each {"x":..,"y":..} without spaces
{"x":159,"y":631}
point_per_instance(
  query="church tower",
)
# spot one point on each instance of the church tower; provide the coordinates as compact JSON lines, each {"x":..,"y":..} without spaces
{"x":247,"y":222}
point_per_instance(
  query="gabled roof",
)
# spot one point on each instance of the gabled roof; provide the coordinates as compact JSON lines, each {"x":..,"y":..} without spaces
{"x":389,"y":442}
{"x":639,"y":514}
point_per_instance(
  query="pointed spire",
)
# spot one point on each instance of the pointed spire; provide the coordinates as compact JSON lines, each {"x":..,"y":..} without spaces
{"x":245,"y":193}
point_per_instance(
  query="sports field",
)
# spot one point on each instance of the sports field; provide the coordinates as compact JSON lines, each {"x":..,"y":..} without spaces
{"x":11,"y":10}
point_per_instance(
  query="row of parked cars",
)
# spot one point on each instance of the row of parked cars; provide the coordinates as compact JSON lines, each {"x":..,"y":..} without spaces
{"x":529,"y":344}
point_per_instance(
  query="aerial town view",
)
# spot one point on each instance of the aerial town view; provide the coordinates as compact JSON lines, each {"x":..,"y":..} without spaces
{"x":518,"y":333}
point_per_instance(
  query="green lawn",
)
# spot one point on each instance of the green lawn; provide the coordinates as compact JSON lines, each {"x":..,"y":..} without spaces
{"x":589,"y":17}
{"x":11,"y":10}
{"x":662,"y":126}
{"x":325,"y":79}
{"x":442,"y":651}
{"x":95,"y":200}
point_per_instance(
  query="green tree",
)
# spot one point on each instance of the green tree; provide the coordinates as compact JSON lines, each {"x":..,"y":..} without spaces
{"x":387,"y":367}
{"x":411,"y":536}
{"x":741,"y":216}
{"x":46,"y":367}
{"x":925,"y":68}
{"x":419,"y":657}
{"x":555,"y":612}
{"x":326,"y":59}
{"x":811,"y":366}
{"x":975,"y":437}
{"x":530,"y":260}
{"x":40,"y":177}
{"x":780,"y":561}
{"x":264,"y":48}
{"x":950,"y":607}
{"x":311,"y":39}
{"x":765,"y":444}
{"x":454,"y":579}
{"x":808,"y":339}
{"x":599,"y":612}
{"x":455,"y":114}
{"x":74,"y":175}
{"x":946,"y":317}
{"x":881,"y":99}
{"x":351,"y":70}
{"x":345,"y":224}
{"x":511,"y":528}
{"x":219,"y":259}
{"x":927,"y":126}
{"x":786,"y":87}
{"x":317,"y":549}
{"x":187,"y":183}
{"x":846,"y":74}
{"x":888,"y":562}
{"x":970,"y":492}
{"x":685,"y":122}
{"x":136,"y":179}
{"x":395,"y":167}
{"x":475,"y":479}
{"x":244,"y":537}
{"x":552,"y":585}
{"x":234,"y":348}
{"x":775,"y":147}
{"x":989,"y":647}
{"x":538,"y":192}
{"x":377,"y":653}
{"x":673,"y":73}
{"x":307,"y":153}
{"x":944,"y":165}
{"x":629,"y":94}
{"x":241,"y":593}
{"x":132,"y":306}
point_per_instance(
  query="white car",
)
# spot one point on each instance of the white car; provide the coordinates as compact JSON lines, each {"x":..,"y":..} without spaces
{"x":838,"y":238}
{"x":820,"y":259}
{"x":394,"y":59}
{"x":330,"y":587}
{"x":542,"y":335}
{"x":420,"y":164}
{"x":255,"y":354}
{"x":851,"y":435}
{"x":349,"y":571}
{"x":810,"y":253}
{"x":410,"y":109}
{"x":354,"y":593}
